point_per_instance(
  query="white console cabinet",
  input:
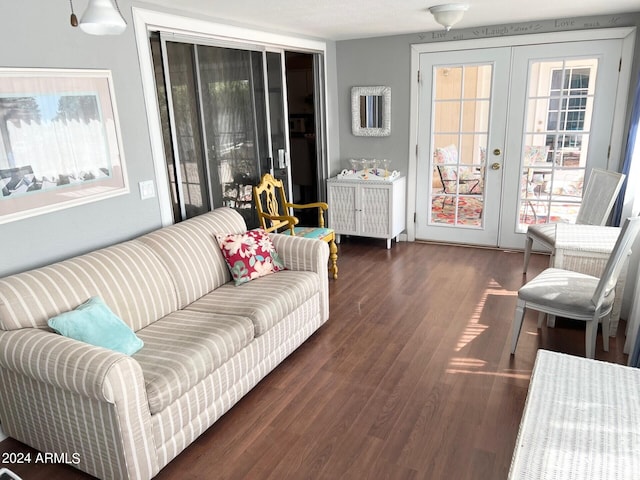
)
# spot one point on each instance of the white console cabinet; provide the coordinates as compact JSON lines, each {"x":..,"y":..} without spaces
{"x":367,"y":208}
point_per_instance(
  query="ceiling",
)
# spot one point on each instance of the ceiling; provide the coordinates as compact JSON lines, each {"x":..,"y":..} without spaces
{"x":347,"y":19}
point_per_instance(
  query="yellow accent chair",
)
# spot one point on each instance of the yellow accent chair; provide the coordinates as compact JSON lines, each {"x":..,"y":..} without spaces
{"x":274,"y":215}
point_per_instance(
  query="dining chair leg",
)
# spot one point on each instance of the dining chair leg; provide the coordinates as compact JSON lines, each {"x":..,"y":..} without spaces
{"x":517,"y":325}
{"x":333,"y":257}
{"x":528,"y":246}
{"x":605,"y":332}
{"x":551,"y":321}
{"x":590,"y":338}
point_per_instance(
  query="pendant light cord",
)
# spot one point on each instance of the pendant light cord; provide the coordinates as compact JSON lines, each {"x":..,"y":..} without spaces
{"x":118,"y":9}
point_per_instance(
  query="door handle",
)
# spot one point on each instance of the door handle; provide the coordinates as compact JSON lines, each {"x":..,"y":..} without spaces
{"x":495,"y":166}
{"x":497,"y":151}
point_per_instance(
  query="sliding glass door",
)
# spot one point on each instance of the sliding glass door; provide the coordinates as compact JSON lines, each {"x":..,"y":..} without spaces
{"x":279,"y":151}
{"x":224,"y":124}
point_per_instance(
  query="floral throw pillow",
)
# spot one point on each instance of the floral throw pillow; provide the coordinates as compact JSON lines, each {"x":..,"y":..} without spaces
{"x":249,"y":255}
{"x":446,"y":155}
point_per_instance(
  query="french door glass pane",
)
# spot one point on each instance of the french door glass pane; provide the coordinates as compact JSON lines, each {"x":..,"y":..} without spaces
{"x":556,"y":140}
{"x":460,"y":133}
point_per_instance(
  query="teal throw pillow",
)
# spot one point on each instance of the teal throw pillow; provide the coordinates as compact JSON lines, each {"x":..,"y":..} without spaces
{"x":93,"y":322}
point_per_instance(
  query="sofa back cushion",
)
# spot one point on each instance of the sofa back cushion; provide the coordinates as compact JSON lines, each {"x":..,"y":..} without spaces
{"x":129,"y":277}
{"x":191,"y":253}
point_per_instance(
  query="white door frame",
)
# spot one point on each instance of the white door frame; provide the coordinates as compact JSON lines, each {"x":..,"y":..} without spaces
{"x":627,"y":34}
{"x":145,"y":21}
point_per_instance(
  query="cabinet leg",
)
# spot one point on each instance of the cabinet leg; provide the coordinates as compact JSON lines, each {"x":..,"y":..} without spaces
{"x":388,"y":243}
{"x":338,"y":238}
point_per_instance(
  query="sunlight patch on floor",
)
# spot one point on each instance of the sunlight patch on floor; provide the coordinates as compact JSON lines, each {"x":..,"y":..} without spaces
{"x":465,"y":362}
{"x":474,"y":328}
{"x":472,"y":331}
{"x":505,"y":374}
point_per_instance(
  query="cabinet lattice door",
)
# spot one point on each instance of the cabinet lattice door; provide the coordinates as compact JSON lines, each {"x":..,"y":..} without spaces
{"x":366,"y":208}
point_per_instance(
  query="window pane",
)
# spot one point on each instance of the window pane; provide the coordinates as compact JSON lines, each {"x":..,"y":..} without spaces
{"x":555,"y":143}
{"x":448,"y":82}
{"x":194,"y":182}
{"x":460,"y":132}
{"x":232,"y":81}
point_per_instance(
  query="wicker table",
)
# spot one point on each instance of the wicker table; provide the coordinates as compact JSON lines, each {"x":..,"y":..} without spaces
{"x":581,"y":421}
{"x":586,"y":249}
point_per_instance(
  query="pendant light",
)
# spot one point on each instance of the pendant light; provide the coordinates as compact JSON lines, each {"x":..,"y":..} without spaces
{"x":102,"y":17}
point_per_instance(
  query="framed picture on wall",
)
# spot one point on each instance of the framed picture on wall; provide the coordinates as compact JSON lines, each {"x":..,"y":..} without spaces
{"x":60,"y":143}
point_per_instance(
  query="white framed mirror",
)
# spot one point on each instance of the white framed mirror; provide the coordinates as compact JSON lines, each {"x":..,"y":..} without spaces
{"x":371,"y":111}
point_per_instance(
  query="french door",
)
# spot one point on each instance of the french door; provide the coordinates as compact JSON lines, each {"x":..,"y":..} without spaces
{"x":560,"y":125}
{"x":224,"y":113}
{"x":507,"y":137}
{"x":462,"y":112}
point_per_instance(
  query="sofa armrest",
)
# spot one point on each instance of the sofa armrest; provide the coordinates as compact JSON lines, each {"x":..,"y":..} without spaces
{"x":86,"y":399}
{"x":300,"y":253}
{"x":306,"y":254}
{"x":63,"y":362}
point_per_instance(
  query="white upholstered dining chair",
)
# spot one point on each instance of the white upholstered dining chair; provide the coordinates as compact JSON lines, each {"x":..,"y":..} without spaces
{"x":598,"y":200}
{"x":576,"y":295}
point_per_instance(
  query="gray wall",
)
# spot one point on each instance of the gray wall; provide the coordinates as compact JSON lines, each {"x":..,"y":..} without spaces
{"x":387,"y":61}
{"x":370,"y":62}
{"x":36,"y":33}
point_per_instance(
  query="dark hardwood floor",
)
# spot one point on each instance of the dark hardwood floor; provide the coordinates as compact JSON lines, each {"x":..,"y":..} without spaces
{"x":411,"y":378}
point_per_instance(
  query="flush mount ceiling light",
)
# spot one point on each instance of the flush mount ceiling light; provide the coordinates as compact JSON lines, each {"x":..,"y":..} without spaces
{"x":449,"y":15}
{"x":102,"y":17}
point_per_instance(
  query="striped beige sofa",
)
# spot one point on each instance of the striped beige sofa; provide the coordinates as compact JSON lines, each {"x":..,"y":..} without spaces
{"x":206,"y":344}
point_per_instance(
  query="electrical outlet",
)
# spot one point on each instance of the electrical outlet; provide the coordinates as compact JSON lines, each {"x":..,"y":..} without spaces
{"x":147,"y":189}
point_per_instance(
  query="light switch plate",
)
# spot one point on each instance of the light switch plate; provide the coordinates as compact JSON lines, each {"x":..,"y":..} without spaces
{"x":147,"y":189}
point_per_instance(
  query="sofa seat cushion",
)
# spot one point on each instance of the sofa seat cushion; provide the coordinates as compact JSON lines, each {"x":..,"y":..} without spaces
{"x":265,"y":300}
{"x":183,"y":348}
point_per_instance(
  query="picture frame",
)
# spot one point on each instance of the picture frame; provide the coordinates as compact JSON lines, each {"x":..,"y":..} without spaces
{"x":60,"y":141}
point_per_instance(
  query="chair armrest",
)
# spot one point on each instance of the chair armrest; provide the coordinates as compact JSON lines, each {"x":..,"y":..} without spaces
{"x":299,"y":206}
{"x":68,"y":364}
{"x":321,"y":206}
{"x":306,"y":254}
{"x":291,"y":220}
